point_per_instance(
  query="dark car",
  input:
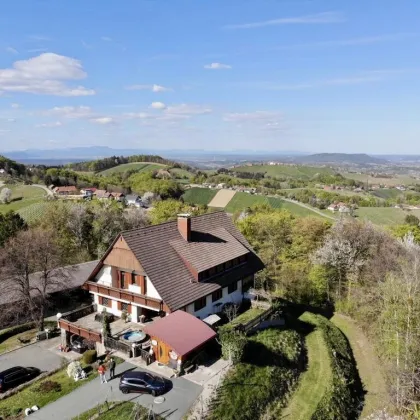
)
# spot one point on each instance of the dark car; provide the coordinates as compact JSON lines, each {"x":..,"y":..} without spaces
{"x":143,"y":382}
{"x":17,"y":375}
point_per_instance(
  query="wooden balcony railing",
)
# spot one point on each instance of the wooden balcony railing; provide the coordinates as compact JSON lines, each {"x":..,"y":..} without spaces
{"x":87,"y":333}
{"x":123,"y":294}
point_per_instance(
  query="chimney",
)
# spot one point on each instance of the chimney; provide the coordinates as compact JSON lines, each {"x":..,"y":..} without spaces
{"x":184,"y":226}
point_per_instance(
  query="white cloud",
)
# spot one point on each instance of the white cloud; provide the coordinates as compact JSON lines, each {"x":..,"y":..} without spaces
{"x":11,"y":120}
{"x":349,"y":42}
{"x":319,"y":18}
{"x":71,"y":111}
{"x":46,"y":75}
{"x":36,"y":50}
{"x":158,"y":105}
{"x":263,"y":120}
{"x":15,"y":106}
{"x":106,"y":38}
{"x":12,"y":50}
{"x":50,"y":124}
{"x":38,"y":38}
{"x":103,"y":120}
{"x":217,"y":66}
{"x":188,"y":109}
{"x":153,"y":88}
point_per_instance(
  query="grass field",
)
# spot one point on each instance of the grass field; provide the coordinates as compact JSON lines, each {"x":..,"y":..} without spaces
{"x":179,"y":173}
{"x":368,"y":365}
{"x":35,"y":211}
{"x":28,"y":194}
{"x":384,"y":215}
{"x":298,"y":171}
{"x":387,"y":193}
{"x":397,"y":180}
{"x":199,"y":196}
{"x":135,"y":166}
{"x":314,"y":380}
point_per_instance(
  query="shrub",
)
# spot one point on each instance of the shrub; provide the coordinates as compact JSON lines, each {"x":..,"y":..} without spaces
{"x":10,"y":332}
{"x":233,"y":344}
{"x":89,"y":357}
{"x":49,"y":386}
{"x":72,"y":368}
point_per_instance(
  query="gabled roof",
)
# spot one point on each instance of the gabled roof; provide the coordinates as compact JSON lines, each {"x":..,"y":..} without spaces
{"x":165,"y":267}
{"x":182,"y":331}
{"x":66,"y":189}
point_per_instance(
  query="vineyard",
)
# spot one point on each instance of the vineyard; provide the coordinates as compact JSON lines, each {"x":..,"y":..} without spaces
{"x":35,"y":211}
{"x":199,"y":196}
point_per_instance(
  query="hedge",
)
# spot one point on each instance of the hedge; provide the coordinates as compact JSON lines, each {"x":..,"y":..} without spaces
{"x":342,"y":400}
{"x":10,"y":332}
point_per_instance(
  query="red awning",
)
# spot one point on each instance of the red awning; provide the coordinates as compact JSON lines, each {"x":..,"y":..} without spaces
{"x":182,"y":331}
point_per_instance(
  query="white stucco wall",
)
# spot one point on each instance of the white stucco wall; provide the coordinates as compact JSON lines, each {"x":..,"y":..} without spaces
{"x":150,"y":289}
{"x":135,"y":289}
{"x":235,"y":297}
{"x":104,"y":276}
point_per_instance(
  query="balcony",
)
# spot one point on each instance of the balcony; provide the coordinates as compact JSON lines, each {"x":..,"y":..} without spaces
{"x":124,"y":294}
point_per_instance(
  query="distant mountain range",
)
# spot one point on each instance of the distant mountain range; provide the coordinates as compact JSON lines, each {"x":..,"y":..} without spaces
{"x":341,"y":158}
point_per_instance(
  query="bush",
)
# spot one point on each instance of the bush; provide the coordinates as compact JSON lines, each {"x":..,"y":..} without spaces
{"x":89,"y":357}
{"x":49,"y":386}
{"x":10,"y":332}
{"x":72,"y":368}
{"x":233,"y":344}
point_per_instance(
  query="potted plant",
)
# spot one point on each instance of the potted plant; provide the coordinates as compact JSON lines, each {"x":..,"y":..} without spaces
{"x":124,"y":315}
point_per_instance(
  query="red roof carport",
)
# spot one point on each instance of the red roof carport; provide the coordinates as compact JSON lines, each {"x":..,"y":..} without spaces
{"x":182,"y":331}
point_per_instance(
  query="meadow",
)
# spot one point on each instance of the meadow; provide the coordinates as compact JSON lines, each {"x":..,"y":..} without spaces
{"x":135,"y":166}
{"x":298,"y":171}
{"x":396,"y":180}
{"x":384,"y":215}
{"x":22,"y":196}
{"x":199,"y":196}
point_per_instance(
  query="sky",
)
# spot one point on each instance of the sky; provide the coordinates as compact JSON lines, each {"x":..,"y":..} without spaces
{"x":302,"y":75}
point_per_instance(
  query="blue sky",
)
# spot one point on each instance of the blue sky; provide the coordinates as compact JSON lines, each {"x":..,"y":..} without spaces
{"x":319,"y":76}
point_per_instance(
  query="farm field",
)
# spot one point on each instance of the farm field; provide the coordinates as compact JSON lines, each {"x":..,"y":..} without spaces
{"x":397,"y":180}
{"x":34,"y":212}
{"x":384,"y":215}
{"x":295,"y":209}
{"x":135,"y":166}
{"x":298,"y":171}
{"x":199,"y":196}
{"x":222,"y":198}
{"x":25,"y":195}
{"x":179,"y":173}
{"x":387,"y":193}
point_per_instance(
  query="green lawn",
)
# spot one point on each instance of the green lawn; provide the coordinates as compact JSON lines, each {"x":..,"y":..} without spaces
{"x":136,"y":166}
{"x":179,"y":173}
{"x":199,"y":196}
{"x":368,"y":365}
{"x":396,"y":180}
{"x":295,"y":209}
{"x":295,"y":171}
{"x":24,"y":195}
{"x":246,"y":316}
{"x":314,"y":381}
{"x":259,"y":386}
{"x":13,"y":342}
{"x":32,"y":395}
{"x":117,"y":411}
{"x":387,"y":193}
{"x":384,"y":215}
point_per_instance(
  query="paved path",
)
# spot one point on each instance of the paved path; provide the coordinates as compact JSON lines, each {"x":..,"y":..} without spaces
{"x":368,"y":365}
{"x":309,"y":208}
{"x":177,"y":401}
{"x":48,"y":191}
{"x":33,"y":355}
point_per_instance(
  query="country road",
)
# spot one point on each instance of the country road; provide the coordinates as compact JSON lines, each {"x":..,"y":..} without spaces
{"x":309,"y":208}
{"x":49,"y":192}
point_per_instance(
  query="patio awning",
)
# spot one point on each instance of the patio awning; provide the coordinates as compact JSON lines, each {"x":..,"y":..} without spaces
{"x":182,"y":331}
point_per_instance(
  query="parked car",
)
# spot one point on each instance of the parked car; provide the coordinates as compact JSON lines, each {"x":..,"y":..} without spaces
{"x":17,"y":375}
{"x":143,"y":382}
{"x":79,"y":345}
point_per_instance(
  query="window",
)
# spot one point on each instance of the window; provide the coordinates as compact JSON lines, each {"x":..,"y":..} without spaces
{"x":124,"y":306}
{"x":105,"y":301}
{"x":216,"y":295}
{"x":200,"y":303}
{"x":212,"y":271}
{"x":122,"y":279}
{"x":235,"y":262}
{"x":220,"y":268}
{"x":133,"y":278}
{"x":242,"y":258}
{"x":232,"y":287}
{"x":228,"y":264}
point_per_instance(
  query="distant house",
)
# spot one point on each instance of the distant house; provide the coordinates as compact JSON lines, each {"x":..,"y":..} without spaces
{"x":221,"y":185}
{"x":344,"y":209}
{"x":133,"y":200}
{"x":88,"y":191}
{"x":71,"y":190}
{"x":118,"y":196}
{"x":333,"y":207}
{"x":400,"y":187}
{"x":104,"y":195}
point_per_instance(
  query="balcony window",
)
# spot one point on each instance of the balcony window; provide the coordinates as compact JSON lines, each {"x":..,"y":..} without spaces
{"x":200,"y":303}
{"x":228,"y":264}
{"x":242,"y":259}
{"x":216,"y":295}
{"x":105,"y":301}
{"x":122,"y":279}
{"x":133,"y":278}
{"x":124,"y":306}
{"x":232,"y":287}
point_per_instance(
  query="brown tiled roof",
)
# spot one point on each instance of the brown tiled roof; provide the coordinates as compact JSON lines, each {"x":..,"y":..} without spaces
{"x":207,"y":250}
{"x":182,"y":331}
{"x":66,"y":189}
{"x":166,"y":269}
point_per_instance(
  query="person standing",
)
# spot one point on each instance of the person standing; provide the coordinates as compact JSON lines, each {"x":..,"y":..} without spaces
{"x":101,"y":371}
{"x":111,"y":368}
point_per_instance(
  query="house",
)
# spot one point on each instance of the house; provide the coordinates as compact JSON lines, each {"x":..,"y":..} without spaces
{"x":118,"y":196}
{"x":178,"y":336}
{"x":221,"y":185}
{"x":88,"y":191}
{"x":103,"y":195}
{"x":333,"y":207}
{"x":194,"y":264}
{"x":344,"y":209}
{"x":70,"y":190}
{"x":63,"y":289}
{"x":133,"y":200}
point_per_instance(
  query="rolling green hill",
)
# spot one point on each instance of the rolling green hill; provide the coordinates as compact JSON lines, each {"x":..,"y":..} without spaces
{"x":22,"y":196}
{"x":292,"y":171}
{"x":135,"y":166}
{"x":199,"y":196}
{"x":384,"y":215}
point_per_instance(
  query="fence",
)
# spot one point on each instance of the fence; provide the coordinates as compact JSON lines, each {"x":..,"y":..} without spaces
{"x":246,"y":328}
{"x":73,"y":316}
{"x":111,"y":343}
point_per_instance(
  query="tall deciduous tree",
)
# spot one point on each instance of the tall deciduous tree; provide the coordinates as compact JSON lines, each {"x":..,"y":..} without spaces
{"x":10,"y":224}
